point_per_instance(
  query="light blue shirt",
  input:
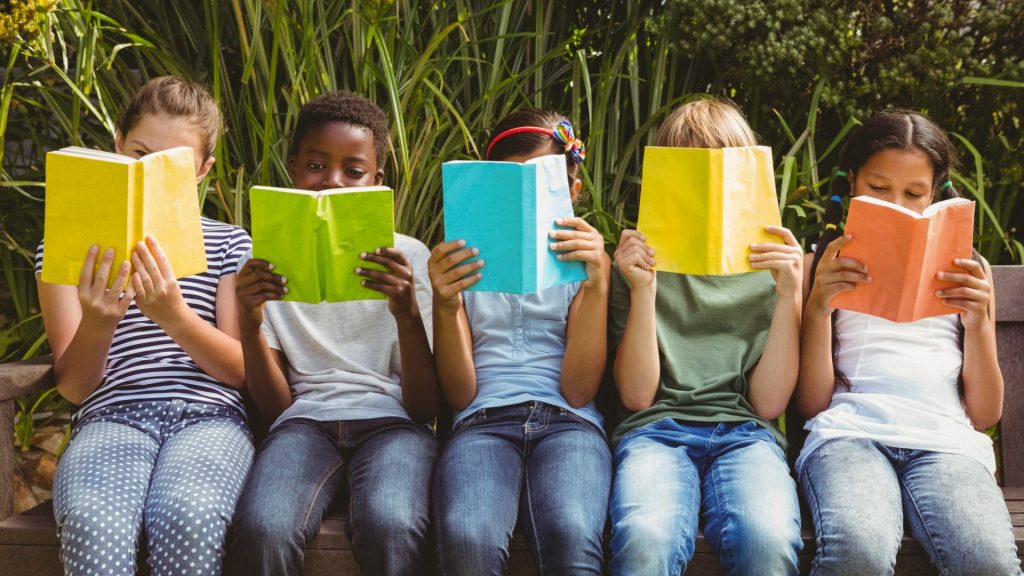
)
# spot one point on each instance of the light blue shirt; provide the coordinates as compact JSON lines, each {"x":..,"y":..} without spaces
{"x":518,"y":347}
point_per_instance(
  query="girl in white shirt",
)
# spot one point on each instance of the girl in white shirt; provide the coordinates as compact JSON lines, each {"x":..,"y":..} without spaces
{"x":897,"y":410}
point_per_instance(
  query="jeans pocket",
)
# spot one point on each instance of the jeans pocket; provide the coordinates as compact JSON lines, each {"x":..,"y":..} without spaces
{"x":474,"y":418}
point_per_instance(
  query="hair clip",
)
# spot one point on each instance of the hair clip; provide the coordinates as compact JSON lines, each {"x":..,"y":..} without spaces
{"x":562,"y":133}
{"x":947,"y":184}
{"x":842,"y":173}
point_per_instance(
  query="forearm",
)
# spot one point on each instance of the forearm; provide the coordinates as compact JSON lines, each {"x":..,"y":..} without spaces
{"x":983,"y":380}
{"x":79,"y":369}
{"x":264,"y":378}
{"x":586,"y":347}
{"x":453,"y":355}
{"x":637,"y":367}
{"x":420,"y":393}
{"x":774,"y":377}
{"x":816,"y":380}
{"x":215,"y":352}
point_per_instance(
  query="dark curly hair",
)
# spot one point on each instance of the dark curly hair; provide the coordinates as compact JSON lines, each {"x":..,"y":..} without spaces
{"x":343,"y":106}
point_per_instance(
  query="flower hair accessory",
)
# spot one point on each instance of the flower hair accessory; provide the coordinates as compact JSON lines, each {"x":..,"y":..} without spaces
{"x":562,"y":133}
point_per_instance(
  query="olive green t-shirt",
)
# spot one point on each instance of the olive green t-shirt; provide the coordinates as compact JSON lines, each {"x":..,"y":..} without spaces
{"x":711,"y":333}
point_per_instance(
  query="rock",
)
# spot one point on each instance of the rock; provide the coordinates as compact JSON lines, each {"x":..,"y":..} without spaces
{"x":48,"y":438}
{"x":40,"y":468}
{"x":24,"y":498}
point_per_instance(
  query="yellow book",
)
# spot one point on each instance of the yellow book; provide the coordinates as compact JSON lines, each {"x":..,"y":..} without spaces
{"x":702,"y":208}
{"x":95,"y":197}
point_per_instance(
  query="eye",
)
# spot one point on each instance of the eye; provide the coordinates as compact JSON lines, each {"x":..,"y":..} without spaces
{"x":141,"y":153}
{"x":914,"y":195}
{"x":315,"y":166}
{"x":355,"y":172}
{"x":877,"y":188}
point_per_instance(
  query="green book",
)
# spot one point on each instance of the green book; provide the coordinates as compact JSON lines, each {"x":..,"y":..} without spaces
{"x":314,"y":238}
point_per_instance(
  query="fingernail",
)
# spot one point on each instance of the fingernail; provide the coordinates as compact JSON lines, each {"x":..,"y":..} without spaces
{"x":270,"y":266}
{"x":285,"y":290}
{"x":941,"y":275}
{"x":939,"y":293}
{"x":363,"y":283}
{"x":560,"y":256}
{"x":480,"y":263}
{"x":553,"y":245}
{"x":284,"y":279}
{"x":475,"y":251}
{"x":362,"y":254}
{"x":868,"y":279}
{"x":357,"y":270}
{"x":94,"y":249}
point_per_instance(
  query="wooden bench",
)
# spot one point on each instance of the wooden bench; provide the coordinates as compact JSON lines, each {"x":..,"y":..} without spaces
{"x":28,"y":543}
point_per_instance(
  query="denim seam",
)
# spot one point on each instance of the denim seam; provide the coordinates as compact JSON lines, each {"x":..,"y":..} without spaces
{"x":533,"y":521}
{"x":316,"y":492}
{"x":940,"y":556}
{"x":721,"y":502}
{"x":819,"y":530}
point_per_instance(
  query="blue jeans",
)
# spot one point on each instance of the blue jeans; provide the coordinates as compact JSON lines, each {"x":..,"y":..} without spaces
{"x":300,"y":469}
{"x":733,"y":474}
{"x":171,"y":468}
{"x":859,"y":492}
{"x":540,"y":463}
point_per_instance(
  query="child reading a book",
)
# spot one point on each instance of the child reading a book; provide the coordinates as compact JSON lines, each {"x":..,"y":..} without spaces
{"x":521,"y":372}
{"x":899,"y":408}
{"x":159,"y":441}
{"x":704,"y":364}
{"x":348,"y":385}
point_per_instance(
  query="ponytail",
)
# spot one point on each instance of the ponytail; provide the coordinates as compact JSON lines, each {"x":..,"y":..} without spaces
{"x":839,"y":189}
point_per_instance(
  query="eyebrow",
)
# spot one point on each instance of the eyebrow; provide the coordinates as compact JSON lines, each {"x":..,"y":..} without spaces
{"x":141,"y":144}
{"x":921,"y":183}
{"x":325,"y":153}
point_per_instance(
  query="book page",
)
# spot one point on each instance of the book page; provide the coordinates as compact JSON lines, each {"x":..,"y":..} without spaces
{"x":87,"y":202}
{"x":749,"y":203}
{"x":285,"y":228}
{"x":359,"y":220}
{"x":553,"y":201}
{"x":948,"y":236}
{"x":167,"y":208}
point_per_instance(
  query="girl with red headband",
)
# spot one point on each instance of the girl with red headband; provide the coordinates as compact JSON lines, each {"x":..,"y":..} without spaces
{"x":521,"y":373}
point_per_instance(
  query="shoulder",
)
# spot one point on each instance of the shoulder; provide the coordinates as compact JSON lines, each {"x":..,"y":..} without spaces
{"x":416,"y":251}
{"x":216,"y":230}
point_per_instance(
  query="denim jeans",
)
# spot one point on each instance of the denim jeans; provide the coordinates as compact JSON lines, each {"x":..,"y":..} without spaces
{"x":859,"y":492}
{"x":536,"y":462}
{"x":172,"y":468}
{"x":301,"y":467}
{"x":734,"y":475}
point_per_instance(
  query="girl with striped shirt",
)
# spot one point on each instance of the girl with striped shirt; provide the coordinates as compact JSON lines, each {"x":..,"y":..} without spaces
{"x":159,"y":442}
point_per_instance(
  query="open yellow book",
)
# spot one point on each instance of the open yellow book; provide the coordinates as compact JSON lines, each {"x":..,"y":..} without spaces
{"x":95,"y":197}
{"x":702,"y":208}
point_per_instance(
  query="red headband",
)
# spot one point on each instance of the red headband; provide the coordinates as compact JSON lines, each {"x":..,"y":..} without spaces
{"x":517,"y":130}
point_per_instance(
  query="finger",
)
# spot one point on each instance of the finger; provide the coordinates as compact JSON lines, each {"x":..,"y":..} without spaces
{"x":842,"y":263}
{"x":88,"y":266}
{"x":255,"y":264}
{"x":570,"y":234}
{"x":845,"y":277}
{"x":453,"y":275}
{"x":567,"y":245}
{"x":634,"y":249}
{"x":965,"y":305}
{"x":394,"y":254}
{"x":764,"y":256}
{"x":148,"y":262}
{"x":635,"y":243}
{"x":386,"y":289}
{"x":965,"y":279}
{"x":575,"y":222}
{"x":387,"y":262}
{"x":785,"y":233}
{"x":138,"y":287}
{"x":445,"y":248}
{"x":775,"y":247}
{"x":630,"y":233}
{"x":963,"y":293}
{"x":267,"y":276}
{"x":466,"y":282}
{"x":126,"y":300}
{"x":973,"y":267}
{"x":121,"y":278}
{"x":453,"y":259}
{"x":591,"y":256}
{"x":163,"y":264}
{"x":834,"y":246}
{"x":380,"y":277}
{"x":143,"y":272}
{"x":99,"y":282}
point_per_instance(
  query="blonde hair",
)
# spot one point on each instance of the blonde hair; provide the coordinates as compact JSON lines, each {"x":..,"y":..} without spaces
{"x":176,"y":97}
{"x":706,"y":123}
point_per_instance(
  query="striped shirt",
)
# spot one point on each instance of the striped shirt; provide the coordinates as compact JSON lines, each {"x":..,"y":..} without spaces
{"x":144,"y":363}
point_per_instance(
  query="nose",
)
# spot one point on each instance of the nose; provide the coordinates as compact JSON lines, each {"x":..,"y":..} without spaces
{"x":334,"y":179}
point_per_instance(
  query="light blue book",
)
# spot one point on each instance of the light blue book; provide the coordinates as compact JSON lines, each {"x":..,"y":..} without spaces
{"x":506,"y":210}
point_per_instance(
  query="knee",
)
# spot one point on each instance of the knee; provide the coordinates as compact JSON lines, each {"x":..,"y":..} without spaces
{"x":984,"y":557}
{"x":574,"y":529}
{"x":646,"y":545}
{"x":857,"y":552}
{"x":768,"y":541}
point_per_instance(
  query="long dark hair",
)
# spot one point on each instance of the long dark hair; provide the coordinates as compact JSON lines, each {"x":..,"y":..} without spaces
{"x":891,"y":129}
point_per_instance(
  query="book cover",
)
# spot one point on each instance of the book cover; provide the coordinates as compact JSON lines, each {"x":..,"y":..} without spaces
{"x":506,"y":210}
{"x":702,"y":208}
{"x":95,"y":197}
{"x":903,"y":251}
{"x":314,"y":238}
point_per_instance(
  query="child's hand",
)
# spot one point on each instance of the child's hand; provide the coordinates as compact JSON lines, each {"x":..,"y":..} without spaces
{"x":157,"y":293}
{"x":784,"y":260}
{"x":973,"y":294}
{"x":449,"y":276}
{"x":835,"y":274}
{"x":397,"y":283}
{"x":256,"y":284}
{"x":583,"y":244}
{"x":635,"y":260}
{"x":103,"y":307}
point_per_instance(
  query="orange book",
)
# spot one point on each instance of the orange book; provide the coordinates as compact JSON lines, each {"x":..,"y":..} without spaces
{"x":904,"y":251}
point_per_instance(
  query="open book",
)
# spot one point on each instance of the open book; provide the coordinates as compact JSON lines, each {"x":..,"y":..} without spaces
{"x":702,"y":208}
{"x":314,"y":238}
{"x":506,"y":210}
{"x":903,"y":251}
{"x":95,"y":197}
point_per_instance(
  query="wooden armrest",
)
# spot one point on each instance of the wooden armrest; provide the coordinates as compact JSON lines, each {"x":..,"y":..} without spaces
{"x":25,"y":377}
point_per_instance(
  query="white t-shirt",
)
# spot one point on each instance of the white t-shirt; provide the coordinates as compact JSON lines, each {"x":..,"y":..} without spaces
{"x":903,"y":389}
{"x":343,"y":357}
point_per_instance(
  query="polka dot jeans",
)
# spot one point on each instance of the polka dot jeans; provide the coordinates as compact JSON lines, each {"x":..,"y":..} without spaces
{"x":172,"y":468}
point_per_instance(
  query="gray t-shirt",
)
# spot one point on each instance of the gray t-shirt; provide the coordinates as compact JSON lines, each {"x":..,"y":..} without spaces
{"x":343,"y":357}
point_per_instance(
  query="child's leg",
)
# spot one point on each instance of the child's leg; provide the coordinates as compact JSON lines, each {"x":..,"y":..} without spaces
{"x":751,"y":514}
{"x":99,"y":490}
{"x":205,"y":456}
{"x":655,"y":501}
{"x":476,"y":492}
{"x":297,"y":472}
{"x":389,"y":478}
{"x":854,"y":496}
{"x":957,"y":513}
{"x":565,"y":496}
